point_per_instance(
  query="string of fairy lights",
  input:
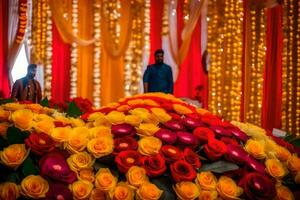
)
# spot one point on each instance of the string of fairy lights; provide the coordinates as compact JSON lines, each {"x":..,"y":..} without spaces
{"x":48,"y":56}
{"x":291,"y":68}
{"x":74,"y":51}
{"x":225,"y":23}
{"x":256,"y":65}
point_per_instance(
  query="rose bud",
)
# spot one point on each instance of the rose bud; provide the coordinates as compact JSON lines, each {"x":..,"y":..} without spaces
{"x":174,"y":125}
{"x":120,"y":130}
{"x":236,"y":154}
{"x":255,"y":165}
{"x":186,"y":139}
{"x":192,"y":123}
{"x":166,"y":136}
{"x":239,"y":134}
{"x":221,"y":131}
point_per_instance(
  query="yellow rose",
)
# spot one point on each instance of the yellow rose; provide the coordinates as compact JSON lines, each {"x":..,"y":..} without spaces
{"x":284,"y":193}
{"x":123,"y":108}
{"x":62,"y":119}
{"x":80,"y":161}
{"x":34,"y":187}
{"x":48,"y":111}
{"x":151,"y":119}
{"x":147,"y":129}
{"x":97,"y":194}
{"x":136,"y":176}
{"x":81,"y":189}
{"x":41,"y":117}
{"x":150,"y":102}
{"x":206,"y":180}
{"x":228,"y":189}
{"x":61,"y":134}
{"x":14,"y":155}
{"x":149,"y":146}
{"x":297,"y":178}
{"x":133,"y":120}
{"x":4,"y":115}
{"x":255,"y":148}
{"x":186,"y":190}
{"x":282,"y":153}
{"x":101,"y":146}
{"x":76,"y":122}
{"x":208,"y":195}
{"x":13,"y":106}
{"x":181,"y":110}
{"x":9,"y":191}
{"x":143,"y":113}
{"x":44,"y":126}
{"x":293,"y":164}
{"x":34,"y":107}
{"x":122,"y":192}
{"x":115,"y":117}
{"x":100,"y":131}
{"x":161,"y":114}
{"x":95,"y":115}
{"x":77,"y":140}
{"x":148,"y":191}
{"x":86,"y":174}
{"x":3,"y":128}
{"x":22,"y":119}
{"x":105,"y":180}
{"x":275,"y":168}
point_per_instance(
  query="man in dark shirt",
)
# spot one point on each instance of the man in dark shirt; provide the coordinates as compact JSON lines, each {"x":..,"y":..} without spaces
{"x":26,"y":88}
{"x":158,"y":77}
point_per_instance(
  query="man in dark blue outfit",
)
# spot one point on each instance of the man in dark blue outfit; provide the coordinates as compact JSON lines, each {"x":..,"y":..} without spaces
{"x":158,"y":77}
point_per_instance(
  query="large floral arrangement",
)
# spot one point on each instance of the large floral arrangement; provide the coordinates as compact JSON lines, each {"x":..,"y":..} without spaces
{"x":151,"y":146}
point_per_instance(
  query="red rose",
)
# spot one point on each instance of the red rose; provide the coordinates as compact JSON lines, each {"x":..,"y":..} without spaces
{"x":124,"y":144}
{"x":228,"y":140}
{"x":128,"y":158}
{"x":191,"y":157}
{"x":182,"y":171}
{"x":175,"y":116}
{"x":203,"y":134}
{"x":211,"y":120}
{"x":154,"y":165}
{"x":257,"y":186}
{"x":40,"y":143}
{"x":83,"y":104}
{"x":214,"y":149}
{"x":171,"y":153}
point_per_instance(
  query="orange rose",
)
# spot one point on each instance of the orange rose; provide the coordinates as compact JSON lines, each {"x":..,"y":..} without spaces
{"x":161,"y":114}
{"x":3,"y":128}
{"x":149,"y":146}
{"x":44,"y":126}
{"x":148,"y":191}
{"x":255,"y":148}
{"x":228,"y":189}
{"x":122,"y":192}
{"x":275,"y":168}
{"x":22,"y":119}
{"x":14,"y":155}
{"x":80,"y":161}
{"x":136,"y":176}
{"x":150,"y":102}
{"x":105,"y":180}
{"x":100,"y":131}
{"x":61,"y":134}
{"x":186,"y":190}
{"x":4,"y":115}
{"x":81,"y":189}
{"x":34,"y":187}
{"x":293,"y":164}
{"x":97,"y":194}
{"x":282,"y":153}
{"x":208,"y":195}
{"x":77,"y":140}
{"x":101,"y":146}
{"x":123,"y":108}
{"x":9,"y":191}
{"x":13,"y":106}
{"x":206,"y":180}
{"x":147,"y":129}
{"x":284,"y":193}
{"x":86,"y":175}
{"x":34,"y":107}
{"x":181,"y":110}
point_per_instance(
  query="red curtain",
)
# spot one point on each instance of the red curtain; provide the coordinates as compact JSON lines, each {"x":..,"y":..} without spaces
{"x":192,"y":81}
{"x":272,"y":98}
{"x":156,"y":14}
{"x":4,"y":78}
{"x":60,"y":86}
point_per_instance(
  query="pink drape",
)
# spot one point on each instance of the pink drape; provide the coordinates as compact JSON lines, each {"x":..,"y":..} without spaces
{"x":4,"y":76}
{"x":272,"y":97}
{"x":60,"y":86}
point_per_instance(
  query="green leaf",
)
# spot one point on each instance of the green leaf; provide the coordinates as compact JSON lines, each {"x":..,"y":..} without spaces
{"x":29,"y":167}
{"x":164,"y":183}
{"x":45,"y":102}
{"x":296,"y":142}
{"x":73,"y":110}
{"x":289,"y":137}
{"x":15,"y":136}
{"x":4,"y":101}
{"x":219,"y":167}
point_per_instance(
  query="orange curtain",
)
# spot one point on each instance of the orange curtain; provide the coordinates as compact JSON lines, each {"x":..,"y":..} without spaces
{"x":85,"y":53}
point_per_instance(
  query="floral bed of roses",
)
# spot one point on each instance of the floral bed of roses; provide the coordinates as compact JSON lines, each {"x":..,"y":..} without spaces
{"x":151,"y":146}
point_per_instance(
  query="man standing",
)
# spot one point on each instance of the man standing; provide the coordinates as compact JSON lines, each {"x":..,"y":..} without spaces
{"x":158,"y":77}
{"x":26,"y":88}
